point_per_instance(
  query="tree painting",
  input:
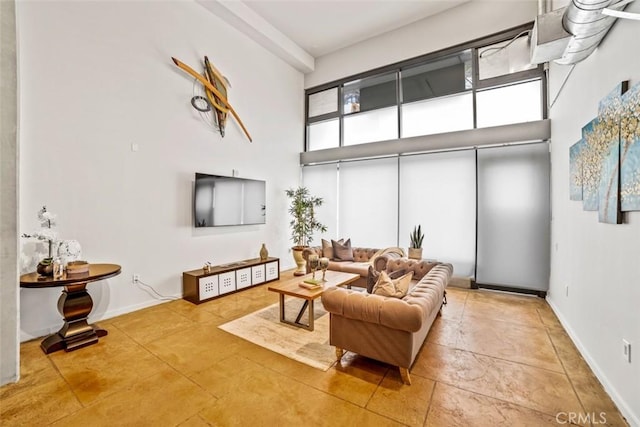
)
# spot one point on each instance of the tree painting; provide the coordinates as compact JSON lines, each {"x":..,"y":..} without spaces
{"x":630,"y":150}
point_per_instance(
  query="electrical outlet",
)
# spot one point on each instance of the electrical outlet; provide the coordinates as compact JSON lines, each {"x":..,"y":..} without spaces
{"x":626,"y":350}
{"x":135,"y":278}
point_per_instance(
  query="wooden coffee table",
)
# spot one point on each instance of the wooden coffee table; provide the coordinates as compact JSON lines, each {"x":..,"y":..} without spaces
{"x":291,"y":287}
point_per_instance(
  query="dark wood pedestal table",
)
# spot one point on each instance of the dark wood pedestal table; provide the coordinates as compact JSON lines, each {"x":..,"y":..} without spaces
{"x":74,"y":304}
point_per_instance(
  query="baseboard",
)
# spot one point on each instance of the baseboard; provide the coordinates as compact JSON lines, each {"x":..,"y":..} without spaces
{"x":460,"y":282}
{"x":39,"y":333}
{"x":131,"y":308}
{"x":632,"y":419}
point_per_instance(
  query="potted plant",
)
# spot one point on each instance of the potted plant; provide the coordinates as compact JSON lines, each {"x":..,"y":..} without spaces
{"x":415,"y":238}
{"x":303,"y":222}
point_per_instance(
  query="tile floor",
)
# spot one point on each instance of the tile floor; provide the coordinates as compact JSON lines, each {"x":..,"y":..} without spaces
{"x":491,"y":359}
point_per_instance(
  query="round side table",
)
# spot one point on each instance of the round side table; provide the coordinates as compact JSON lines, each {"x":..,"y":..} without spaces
{"x":74,"y":305}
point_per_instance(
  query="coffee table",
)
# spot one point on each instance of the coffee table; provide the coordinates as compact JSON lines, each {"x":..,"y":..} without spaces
{"x":291,"y":287}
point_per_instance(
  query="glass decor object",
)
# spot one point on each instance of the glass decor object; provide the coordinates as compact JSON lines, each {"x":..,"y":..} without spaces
{"x":264,"y":253}
{"x":324,"y":264}
{"x":313,"y":265}
{"x":58,"y":268}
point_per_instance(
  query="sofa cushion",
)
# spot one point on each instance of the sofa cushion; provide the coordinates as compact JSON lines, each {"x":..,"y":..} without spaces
{"x":327,"y":248}
{"x":388,"y":287}
{"x":373,"y":275}
{"x":360,"y":268}
{"x":342,"y":251}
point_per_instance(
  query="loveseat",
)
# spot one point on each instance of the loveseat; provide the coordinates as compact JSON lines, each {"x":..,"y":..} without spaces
{"x":362,"y":259}
{"x":388,"y":329}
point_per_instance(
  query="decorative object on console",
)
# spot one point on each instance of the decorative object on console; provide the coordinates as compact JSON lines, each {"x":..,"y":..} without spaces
{"x":264,"y":253}
{"x":604,"y":164}
{"x":46,"y":234}
{"x":77,"y":267}
{"x":58,"y":268}
{"x":207,"y":267}
{"x":303,"y":223}
{"x":324,"y":264}
{"x":415,"y":248}
{"x":69,"y":250}
{"x":215,"y":89}
{"x":45,"y":267}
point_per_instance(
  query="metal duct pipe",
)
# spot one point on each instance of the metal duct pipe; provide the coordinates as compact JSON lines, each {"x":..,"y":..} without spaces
{"x":584,"y":20}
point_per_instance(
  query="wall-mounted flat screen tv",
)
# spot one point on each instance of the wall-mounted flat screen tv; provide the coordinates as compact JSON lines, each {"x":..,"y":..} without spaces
{"x":224,"y":200}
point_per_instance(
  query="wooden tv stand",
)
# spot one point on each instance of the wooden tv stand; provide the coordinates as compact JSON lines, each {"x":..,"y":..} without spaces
{"x":199,"y":285}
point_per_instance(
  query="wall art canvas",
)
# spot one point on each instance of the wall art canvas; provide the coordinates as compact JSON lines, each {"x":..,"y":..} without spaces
{"x":592,"y":154}
{"x":630,"y":150}
{"x":609,"y":115}
{"x":575,"y":171}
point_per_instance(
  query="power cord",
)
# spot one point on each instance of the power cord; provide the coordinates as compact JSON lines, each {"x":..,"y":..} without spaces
{"x":496,"y":49}
{"x":157,"y":295}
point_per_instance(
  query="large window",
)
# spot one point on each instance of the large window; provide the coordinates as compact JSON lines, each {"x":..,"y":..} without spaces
{"x":406,"y":151}
{"x":438,"y":191}
{"x":368,"y":194}
{"x":488,"y":82}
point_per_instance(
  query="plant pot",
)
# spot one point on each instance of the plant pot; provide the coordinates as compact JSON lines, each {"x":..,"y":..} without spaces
{"x":45,"y":267}
{"x":300,"y":261}
{"x":415,"y":253}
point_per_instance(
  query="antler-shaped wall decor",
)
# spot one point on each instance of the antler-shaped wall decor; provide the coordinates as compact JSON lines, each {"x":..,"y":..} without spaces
{"x":215,"y":88}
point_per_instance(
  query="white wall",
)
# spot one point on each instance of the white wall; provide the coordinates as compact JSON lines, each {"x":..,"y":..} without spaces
{"x":461,"y":24}
{"x":97,"y":77}
{"x":599,"y":262}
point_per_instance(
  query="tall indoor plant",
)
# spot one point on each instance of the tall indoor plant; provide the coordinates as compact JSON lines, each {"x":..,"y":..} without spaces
{"x":303,"y":222}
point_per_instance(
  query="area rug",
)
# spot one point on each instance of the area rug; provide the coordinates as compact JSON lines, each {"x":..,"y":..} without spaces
{"x":263,"y":327}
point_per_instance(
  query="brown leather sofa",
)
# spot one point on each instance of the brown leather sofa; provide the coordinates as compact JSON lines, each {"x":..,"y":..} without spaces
{"x":359,"y":265}
{"x":391,"y":330}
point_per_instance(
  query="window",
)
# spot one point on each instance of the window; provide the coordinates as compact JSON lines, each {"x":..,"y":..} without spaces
{"x":509,"y":104}
{"x":438,"y":192}
{"x":322,"y":135}
{"x":438,"y":78}
{"x":324,"y":102}
{"x":438,"y":115}
{"x":508,"y":57}
{"x":368,"y":214}
{"x":485,"y":83}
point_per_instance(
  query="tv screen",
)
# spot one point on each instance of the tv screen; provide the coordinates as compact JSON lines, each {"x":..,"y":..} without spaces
{"x":224,"y":200}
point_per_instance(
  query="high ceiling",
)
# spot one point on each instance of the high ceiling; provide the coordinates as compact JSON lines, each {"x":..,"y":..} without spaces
{"x":298,"y":31}
{"x":324,"y":26}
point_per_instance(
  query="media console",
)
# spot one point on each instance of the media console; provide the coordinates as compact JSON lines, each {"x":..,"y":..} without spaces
{"x":199,"y":285}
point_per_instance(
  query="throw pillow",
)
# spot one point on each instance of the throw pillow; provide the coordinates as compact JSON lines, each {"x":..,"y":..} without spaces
{"x":373,"y":276}
{"x":342,"y":251}
{"x":327,"y":249}
{"x":388,"y":287}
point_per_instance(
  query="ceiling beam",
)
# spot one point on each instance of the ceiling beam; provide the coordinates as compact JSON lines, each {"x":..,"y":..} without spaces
{"x":247,"y":21}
